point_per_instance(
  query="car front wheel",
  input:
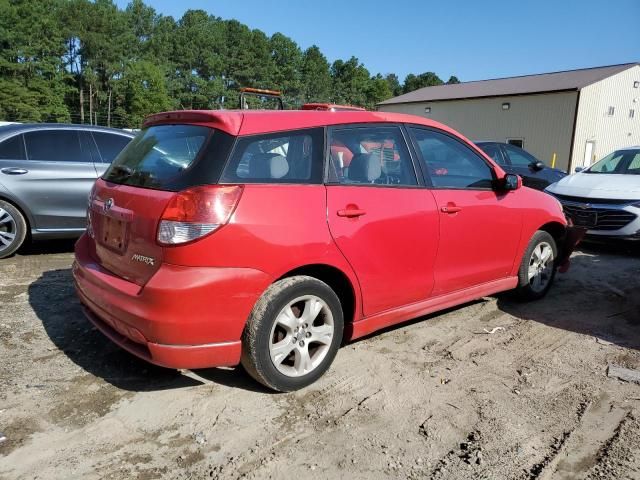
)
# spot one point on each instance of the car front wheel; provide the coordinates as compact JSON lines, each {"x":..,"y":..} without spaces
{"x":293,"y":333}
{"x":13,"y":229}
{"x":538,"y":267}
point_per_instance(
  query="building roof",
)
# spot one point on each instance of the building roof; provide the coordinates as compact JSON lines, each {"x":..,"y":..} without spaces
{"x":539,"y":83}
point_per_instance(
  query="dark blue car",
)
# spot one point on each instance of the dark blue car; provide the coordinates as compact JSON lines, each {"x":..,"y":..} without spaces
{"x":513,"y":159}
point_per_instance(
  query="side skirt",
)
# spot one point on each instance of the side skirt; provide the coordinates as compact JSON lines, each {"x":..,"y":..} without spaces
{"x":414,"y":310}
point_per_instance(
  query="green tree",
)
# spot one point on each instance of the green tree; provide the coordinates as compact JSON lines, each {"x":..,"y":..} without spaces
{"x":452,"y":80}
{"x":316,"y":78}
{"x":350,"y":82}
{"x":287,"y":66}
{"x":427,"y":79}
{"x":32,"y":74}
{"x":379,"y":90}
{"x":89,"y":61}
{"x":198,"y":64}
{"x":394,"y":84}
{"x":144,"y":91}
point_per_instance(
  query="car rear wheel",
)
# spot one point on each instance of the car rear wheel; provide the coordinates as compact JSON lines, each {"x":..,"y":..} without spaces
{"x":538,"y":267}
{"x":293,"y":333}
{"x":13,"y":229}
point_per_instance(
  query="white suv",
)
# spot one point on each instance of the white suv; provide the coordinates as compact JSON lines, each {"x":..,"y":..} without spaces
{"x":605,"y":197}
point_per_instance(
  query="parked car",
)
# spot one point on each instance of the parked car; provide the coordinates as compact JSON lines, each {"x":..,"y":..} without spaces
{"x":219,"y":238}
{"x":605,"y":197}
{"x":46,"y":173}
{"x":513,"y":159}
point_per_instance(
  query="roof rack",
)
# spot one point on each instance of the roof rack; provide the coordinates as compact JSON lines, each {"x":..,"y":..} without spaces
{"x":259,"y":93}
{"x":331,"y":107}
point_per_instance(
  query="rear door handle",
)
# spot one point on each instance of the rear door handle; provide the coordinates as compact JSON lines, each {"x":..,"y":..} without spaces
{"x":351,"y":212}
{"x":450,"y":209}
{"x":14,"y":171}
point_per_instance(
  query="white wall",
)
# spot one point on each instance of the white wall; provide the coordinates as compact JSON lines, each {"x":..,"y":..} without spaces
{"x":593,"y":122}
{"x":544,"y":121}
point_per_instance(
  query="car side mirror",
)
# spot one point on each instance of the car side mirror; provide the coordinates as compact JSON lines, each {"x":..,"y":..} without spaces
{"x":511,"y":182}
{"x":579,"y":169}
{"x":537,"y":165}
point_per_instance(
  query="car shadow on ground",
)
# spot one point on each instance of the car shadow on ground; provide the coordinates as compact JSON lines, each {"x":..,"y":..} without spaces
{"x":43,"y":247}
{"x":583,"y":303}
{"x":588,"y":300}
{"x":54,"y":301}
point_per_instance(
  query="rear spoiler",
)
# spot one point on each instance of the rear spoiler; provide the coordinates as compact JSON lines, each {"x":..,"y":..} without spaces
{"x":225,"y":120}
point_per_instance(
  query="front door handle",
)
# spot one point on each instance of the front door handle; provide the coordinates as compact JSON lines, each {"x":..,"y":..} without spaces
{"x":450,"y":209}
{"x":351,"y":212}
{"x":14,"y":171}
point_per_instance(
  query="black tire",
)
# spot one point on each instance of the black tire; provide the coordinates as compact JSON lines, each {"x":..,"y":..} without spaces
{"x":13,"y":229}
{"x":527,"y":289}
{"x":261,"y":328}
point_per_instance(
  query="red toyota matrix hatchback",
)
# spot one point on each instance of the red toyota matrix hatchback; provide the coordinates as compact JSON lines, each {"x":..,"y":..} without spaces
{"x":267,"y":238}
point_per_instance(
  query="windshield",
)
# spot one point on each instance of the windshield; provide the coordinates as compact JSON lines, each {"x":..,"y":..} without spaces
{"x":620,"y":162}
{"x":158,"y":155}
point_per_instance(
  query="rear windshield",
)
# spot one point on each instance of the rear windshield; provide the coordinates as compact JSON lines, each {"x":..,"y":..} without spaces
{"x":158,"y":156}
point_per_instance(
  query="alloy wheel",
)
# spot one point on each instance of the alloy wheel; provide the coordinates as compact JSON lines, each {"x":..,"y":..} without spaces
{"x":8,"y":229}
{"x":540,"y":267}
{"x":301,"y":336}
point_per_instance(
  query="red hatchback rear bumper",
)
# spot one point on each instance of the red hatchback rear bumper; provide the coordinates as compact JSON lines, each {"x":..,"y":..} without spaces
{"x":184,"y":317}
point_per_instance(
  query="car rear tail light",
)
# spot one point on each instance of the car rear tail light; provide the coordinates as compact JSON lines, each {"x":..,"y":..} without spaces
{"x":197,"y":212}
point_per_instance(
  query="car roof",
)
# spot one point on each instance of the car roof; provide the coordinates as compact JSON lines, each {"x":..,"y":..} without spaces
{"x":8,"y":130}
{"x":251,"y":122}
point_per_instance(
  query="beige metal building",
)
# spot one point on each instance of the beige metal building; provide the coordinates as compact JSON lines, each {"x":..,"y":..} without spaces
{"x":578,"y":115}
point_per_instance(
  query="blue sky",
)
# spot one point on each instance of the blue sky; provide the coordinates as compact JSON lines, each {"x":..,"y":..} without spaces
{"x":472,"y":39}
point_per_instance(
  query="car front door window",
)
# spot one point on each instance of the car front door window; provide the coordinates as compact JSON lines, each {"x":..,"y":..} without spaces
{"x":518,"y":157}
{"x":493,"y":151}
{"x":449,"y":163}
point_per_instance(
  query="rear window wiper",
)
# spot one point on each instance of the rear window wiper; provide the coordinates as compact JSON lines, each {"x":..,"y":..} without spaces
{"x":122,"y":170}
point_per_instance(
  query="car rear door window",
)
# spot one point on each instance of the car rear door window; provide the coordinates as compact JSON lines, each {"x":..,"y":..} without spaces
{"x":55,"y":146}
{"x":376,"y":155}
{"x":451,"y":164}
{"x":284,"y":157}
{"x":110,"y":144}
{"x":12,"y":148}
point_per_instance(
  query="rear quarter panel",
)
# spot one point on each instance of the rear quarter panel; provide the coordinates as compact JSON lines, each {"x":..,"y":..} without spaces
{"x":274,"y":229}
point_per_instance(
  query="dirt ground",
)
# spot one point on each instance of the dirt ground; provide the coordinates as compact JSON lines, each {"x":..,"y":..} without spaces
{"x":436,"y":398}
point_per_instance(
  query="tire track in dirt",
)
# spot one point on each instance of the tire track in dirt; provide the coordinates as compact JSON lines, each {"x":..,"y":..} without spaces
{"x":577,"y":451}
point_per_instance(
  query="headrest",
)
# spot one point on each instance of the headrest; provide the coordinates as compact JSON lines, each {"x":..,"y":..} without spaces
{"x":279,"y":166}
{"x":268,"y":165}
{"x":365,"y":168}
